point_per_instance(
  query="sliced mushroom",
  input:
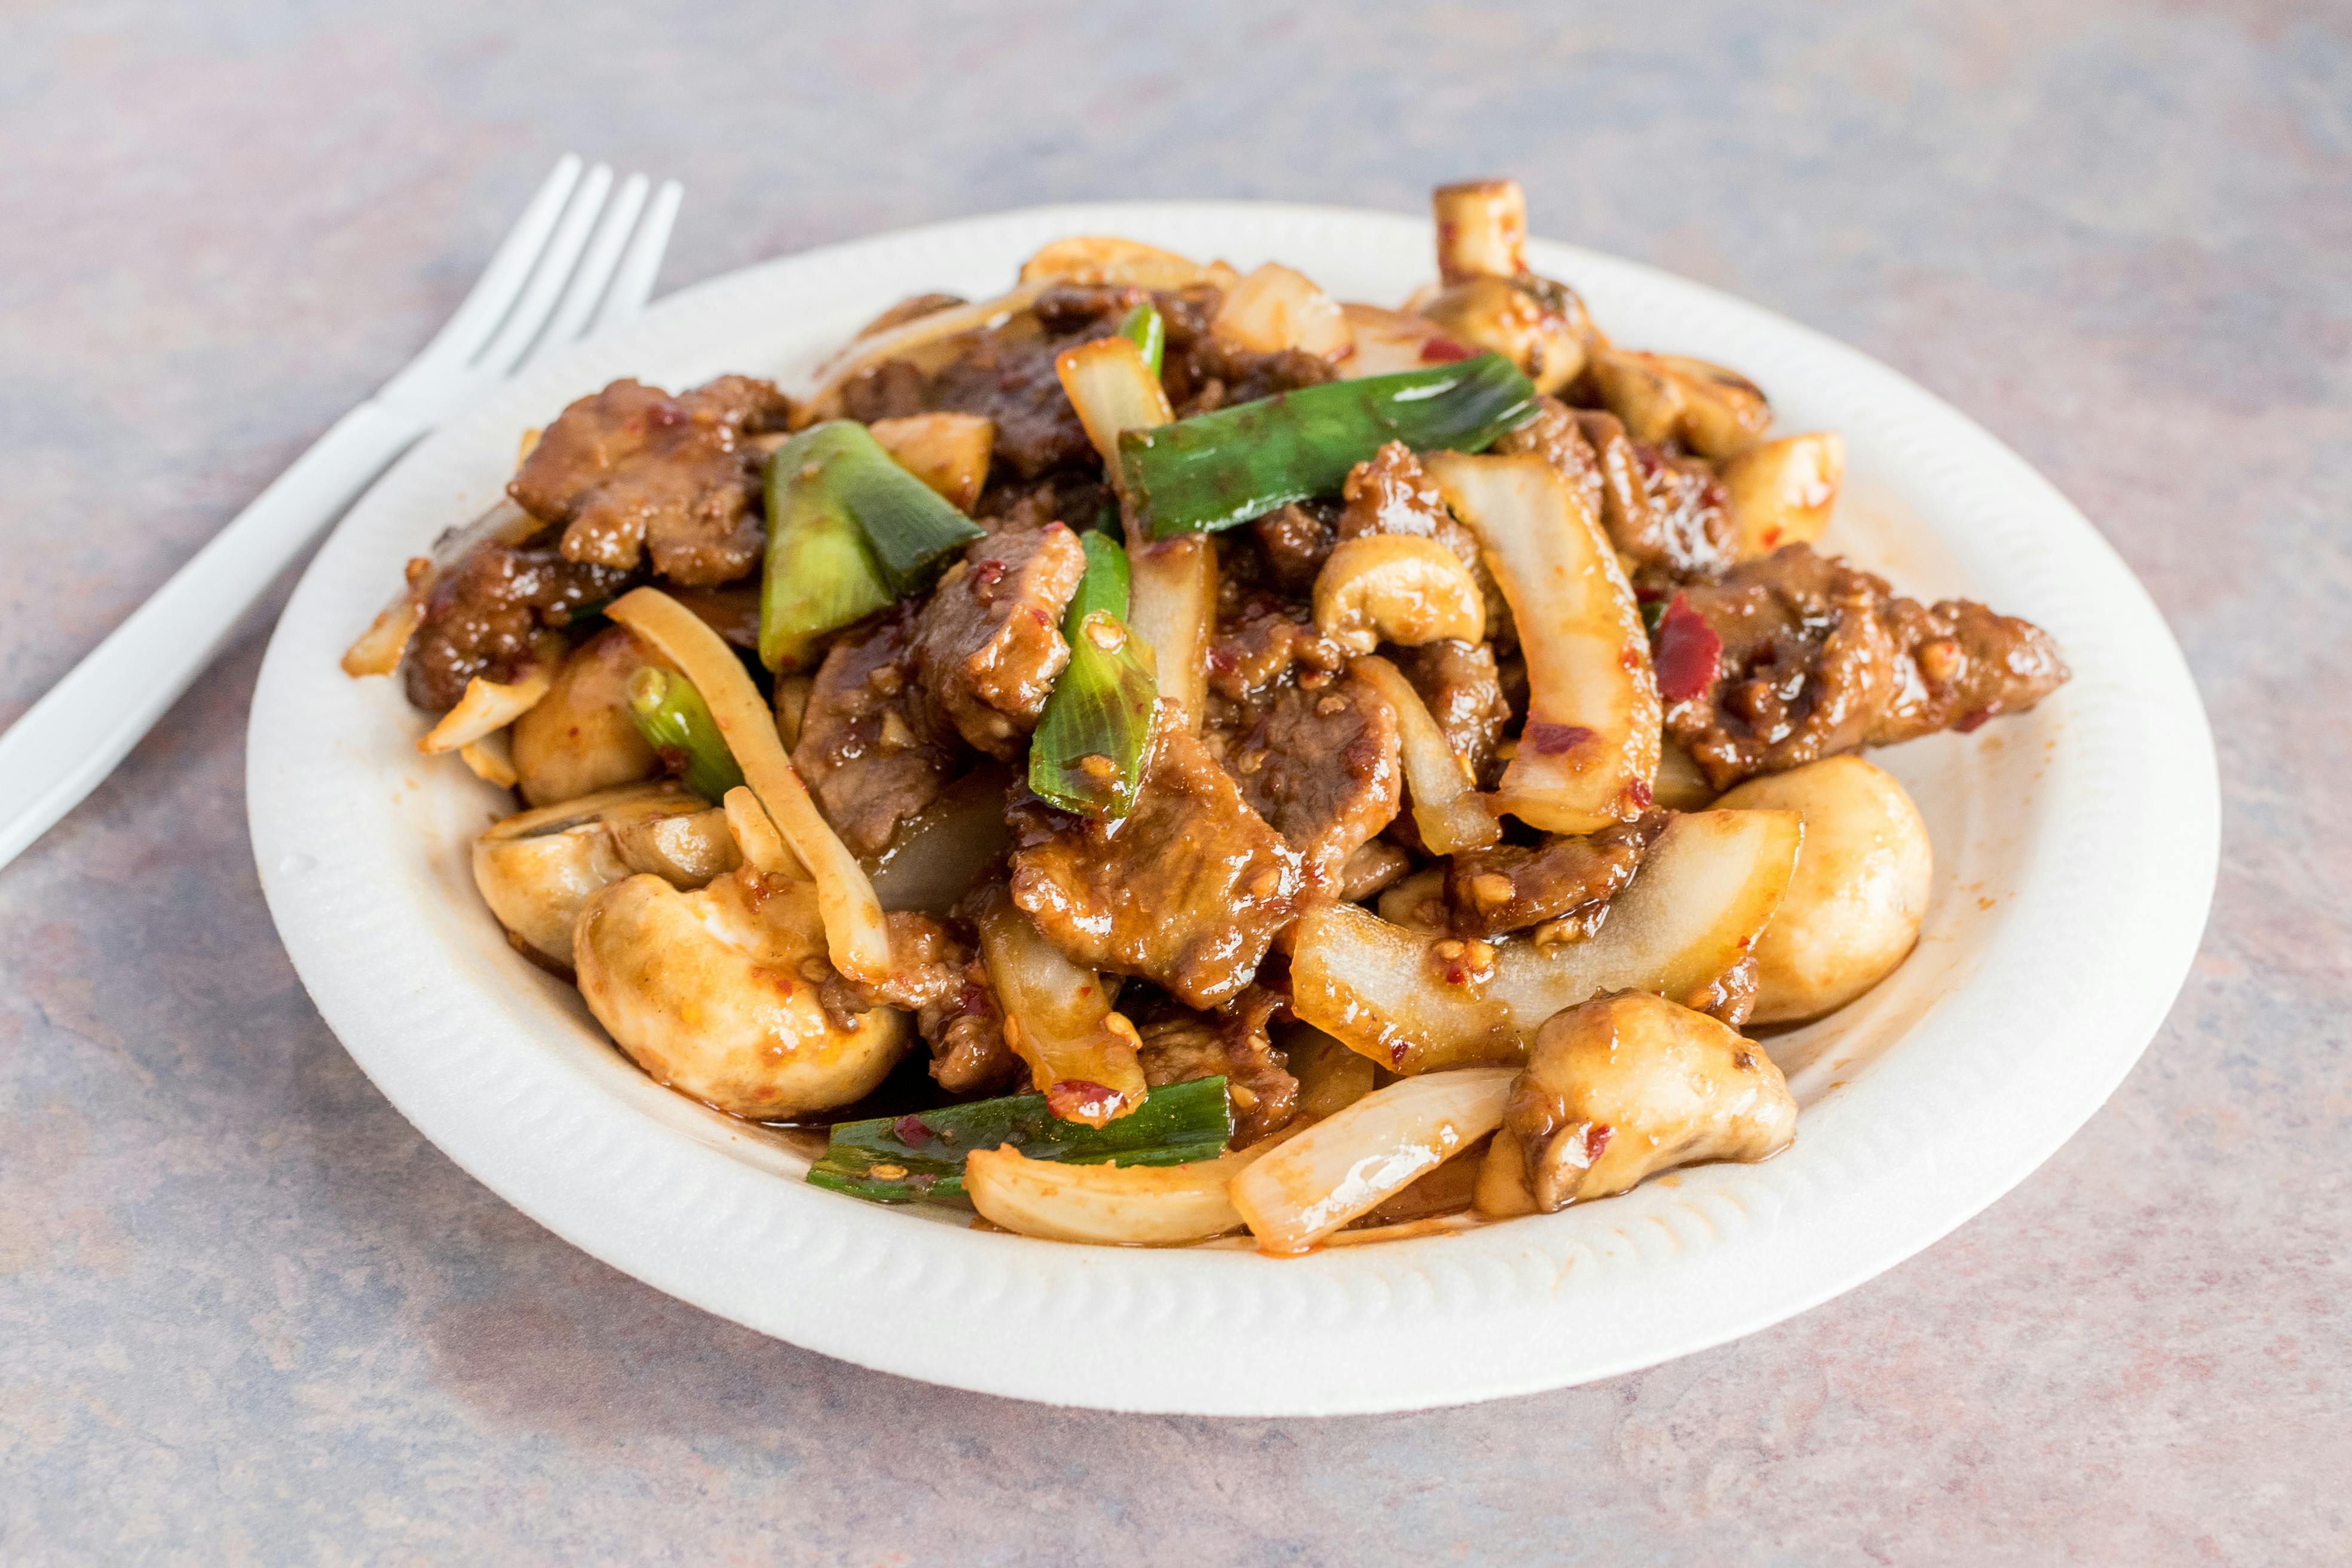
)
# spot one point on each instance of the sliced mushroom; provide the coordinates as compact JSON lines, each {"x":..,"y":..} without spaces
{"x":717,"y":993}
{"x":537,"y":871}
{"x":1106,"y":259}
{"x":579,"y":738}
{"x":1397,"y":587}
{"x":1782,"y":491}
{"x":1621,"y":1088}
{"x":1713,"y":411}
{"x":1537,"y":324}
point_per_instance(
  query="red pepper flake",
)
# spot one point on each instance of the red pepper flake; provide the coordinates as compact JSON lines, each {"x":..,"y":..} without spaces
{"x":1970,"y":720}
{"x":911,"y":1132}
{"x":1550,"y":739}
{"x":1441,"y":351}
{"x":1080,"y":1100}
{"x":1640,"y":793}
{"x":1596,"y":1143}
{"x":1690,"y":654}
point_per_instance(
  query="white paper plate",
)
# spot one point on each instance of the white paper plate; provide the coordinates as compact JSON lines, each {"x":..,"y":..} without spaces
{"x":2075,"y":850}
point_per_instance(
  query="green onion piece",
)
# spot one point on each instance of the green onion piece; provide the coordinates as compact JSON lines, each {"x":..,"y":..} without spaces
{"x":820,"y":573}
{"x":897,"y":1160}
{"x":912,"y":527}
{"x":1088,"y":752}
{"x":677,"y":724}
{"x":1217,"y":469}
{"x":1144,"y":329}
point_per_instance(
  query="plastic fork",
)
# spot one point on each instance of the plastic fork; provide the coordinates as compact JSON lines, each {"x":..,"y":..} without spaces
{"x":580,"y":260}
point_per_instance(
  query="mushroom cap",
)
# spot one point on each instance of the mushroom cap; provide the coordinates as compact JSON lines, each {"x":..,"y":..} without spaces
{"x":716,"y":993}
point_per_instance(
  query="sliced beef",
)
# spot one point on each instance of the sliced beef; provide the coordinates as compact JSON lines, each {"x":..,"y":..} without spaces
{"x":1180,"y":1045}
{"x":1797,"y":657}
{"x":1262,"y":643}
{"x":1200,"y":373}
{"x":493,"y":612}
{"x":1461,"y":687}
{"x":988,"y":642}
{"x":936,"y":974}
{"x":1668,"y":517}
{"x":1188,"y":891}
{"x":1077,"y":497}
{"x":874,"y":747}
{"x":633,"y":470}
{"x":1293,"y":542}
{"x":1321,"y":766}
{"x":1390,"y":493}
{"x":1511,"y":887}
{"x":1006,"y":373}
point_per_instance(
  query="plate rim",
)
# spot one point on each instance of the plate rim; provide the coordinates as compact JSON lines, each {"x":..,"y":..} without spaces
{"x":587,"y":1168}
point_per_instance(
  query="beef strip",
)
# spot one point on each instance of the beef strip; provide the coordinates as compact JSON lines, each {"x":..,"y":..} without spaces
{"x":1006,"y":373}
{"x":1188,"y":891}
{"x":1668,"y":517}
{"x":1511,"y":887}
{"x":493,"y":612}
{"x":1202,"y":373}
{"x":874,"y":747}
{"x":1180,"y":1045}
{"x":1293,"y":542}
{"x":936,"y":974}
{"x":1076,"y":497}
{"x":1461,"y":687}
{"x":632,"y":469}
{"x":1322,"y":767}
{"x":988,"y":642}
{"x":1797,"y":657}
{"x":1390,"y":493}
{"x":1264,"y":642}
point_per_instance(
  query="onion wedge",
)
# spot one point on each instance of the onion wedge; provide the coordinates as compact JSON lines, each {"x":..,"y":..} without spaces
{"x":1417,"y":1002}
{"x":1310,"y":1185}
{"x":491,"y":758}
{"x":1113,"y":388}
{"x":1386,"y":342}
{"x":1588,"y":754}
{"x":488,"y":706}
{"x":1059,"y":1018}
{"x":949,"y":452}
{"x":1173,"y":607}
{"x":856,"y":940}
{"x":1275,"y":308}
{"x":1450,"y":813}
{"x":1119,"y":1206}
{"x":936,"y":856}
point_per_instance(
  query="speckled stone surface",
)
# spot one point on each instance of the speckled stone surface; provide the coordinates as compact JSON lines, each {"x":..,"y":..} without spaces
{"x":247,"y":1314}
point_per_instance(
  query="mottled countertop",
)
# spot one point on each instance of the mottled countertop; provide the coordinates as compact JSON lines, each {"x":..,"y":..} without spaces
{"x":247,"y":1313}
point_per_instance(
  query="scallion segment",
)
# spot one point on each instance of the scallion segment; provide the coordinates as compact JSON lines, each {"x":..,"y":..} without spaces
{"x":1144,"y":328}
{"x":849,"y":531}
{"x":677,"y":724}
{"x":1217,"y":469}
{"x":1088,"y":752}
{"x":904,"y":1159}
{"x":820,"y":573}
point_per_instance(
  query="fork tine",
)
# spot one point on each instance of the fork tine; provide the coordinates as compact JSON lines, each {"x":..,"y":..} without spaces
{"x":642,"y":265}
{"x":595,"y":267}
{"x":546,"y":280}
{"x":487,"y":305}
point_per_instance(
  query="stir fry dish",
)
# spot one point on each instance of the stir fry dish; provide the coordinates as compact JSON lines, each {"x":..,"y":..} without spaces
{"x":1163,"y":752}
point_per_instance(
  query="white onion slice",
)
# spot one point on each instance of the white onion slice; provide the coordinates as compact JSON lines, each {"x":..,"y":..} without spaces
{"x":1123,"y":1206}
{"x":1344,"y":1165}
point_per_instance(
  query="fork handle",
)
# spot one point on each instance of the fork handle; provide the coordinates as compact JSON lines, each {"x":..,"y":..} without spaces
{"x":73,"y":737}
